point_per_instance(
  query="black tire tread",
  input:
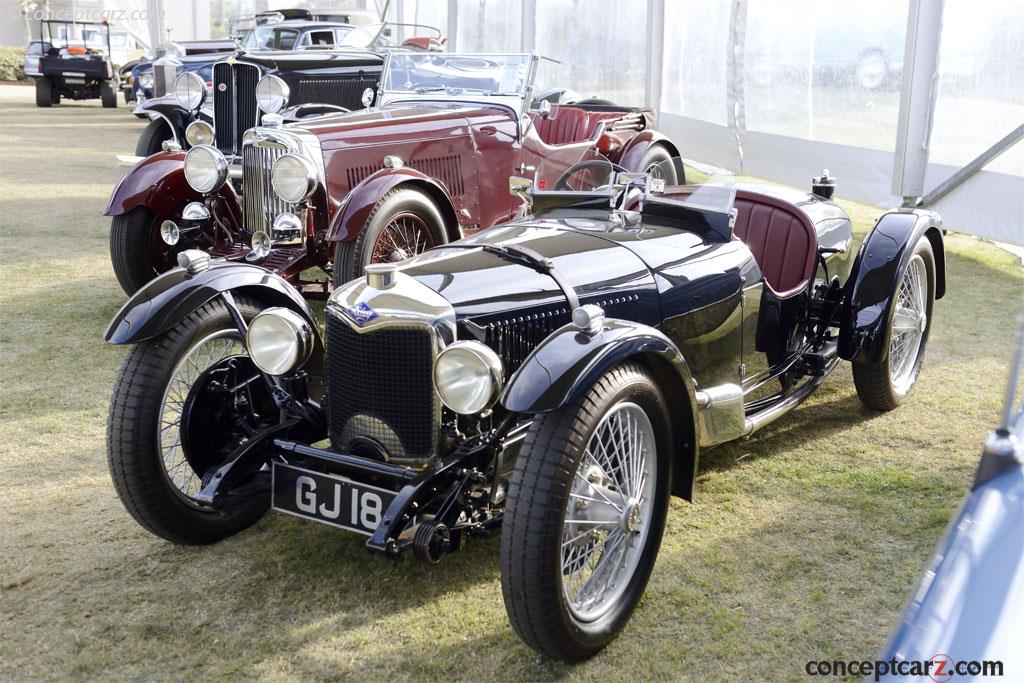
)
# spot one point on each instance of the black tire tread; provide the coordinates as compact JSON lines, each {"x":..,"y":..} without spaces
{"x":44,"y":92}
{"x":540,"y":484}
{"x":152,"y":138}
{"x":348,"y":254}
{"x":873,"y":381}
{"x":108,"y":96}
{"x":129,"y":254}
{"x":142,"y":490}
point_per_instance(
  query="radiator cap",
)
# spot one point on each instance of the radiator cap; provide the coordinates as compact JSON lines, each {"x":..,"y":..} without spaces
{"x":381,"y":275}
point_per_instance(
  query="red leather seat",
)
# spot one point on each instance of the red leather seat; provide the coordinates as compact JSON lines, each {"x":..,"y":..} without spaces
{"x":781,"y":238}
{"x":569,"y":124}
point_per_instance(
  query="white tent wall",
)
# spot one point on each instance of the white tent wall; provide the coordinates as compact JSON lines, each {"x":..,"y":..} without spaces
{"x":774,"y":88}
{"x":782,"y":89}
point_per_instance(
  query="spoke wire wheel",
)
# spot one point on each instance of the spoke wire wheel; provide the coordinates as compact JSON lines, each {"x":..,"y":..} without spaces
{"x":886,"y":380}
{"x":585,"y":513}
{"x":910,"y":320}
{"x":608,"y":513}
{"x":405,"y":235}
{"x":200,"y":357}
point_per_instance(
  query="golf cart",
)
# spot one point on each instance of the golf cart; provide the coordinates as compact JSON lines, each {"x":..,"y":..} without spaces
{"x":73,"y":69}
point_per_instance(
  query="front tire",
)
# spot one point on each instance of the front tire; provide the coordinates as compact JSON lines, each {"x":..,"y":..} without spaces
{"x":885,"y":384}
{"x":585,"y":515}
{"x":137,"y":251}
{"x":152,"y":138}
{"x":156,"y":464}
{"x":44,"y":92}
{"x":405,"y":222}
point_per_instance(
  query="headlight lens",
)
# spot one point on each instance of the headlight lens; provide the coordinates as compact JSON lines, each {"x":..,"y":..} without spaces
{"x":468,"y":376}
{"x":146,"y":79}
{"x":206,"y":169}
{"x":199,"y":133}
{"x":293,"y":178}
{"x":189,"y":90}
{"x":279,"y":341}
{"x":271,"y":94}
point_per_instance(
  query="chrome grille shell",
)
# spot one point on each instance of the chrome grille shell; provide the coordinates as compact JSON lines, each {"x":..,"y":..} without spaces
{"x":260,"y":148}
{"x":403,"y":313}
{"x":234,"y":103}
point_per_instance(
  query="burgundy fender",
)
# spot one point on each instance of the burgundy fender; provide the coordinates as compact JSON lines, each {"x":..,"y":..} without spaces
{"x":636,"y":147}
{"x":351,"y":217}
{"x":158,"y":183}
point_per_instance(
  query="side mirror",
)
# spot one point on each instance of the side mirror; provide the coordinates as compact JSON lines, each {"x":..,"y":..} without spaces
{"x":519,"y":187}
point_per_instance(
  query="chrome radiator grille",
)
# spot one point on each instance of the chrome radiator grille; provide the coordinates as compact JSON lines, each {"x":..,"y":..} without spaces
{"x":234,"y":104}
{"x":342,"y":91}
{"x":261,"y":203}
{"x":380,"y":387}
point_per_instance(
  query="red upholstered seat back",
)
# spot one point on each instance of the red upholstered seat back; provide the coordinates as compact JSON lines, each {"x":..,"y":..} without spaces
{"x":781,"y":238}
{"x":569,"y":124}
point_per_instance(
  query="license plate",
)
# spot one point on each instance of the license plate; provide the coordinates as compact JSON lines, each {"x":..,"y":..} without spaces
{"x":328,"y":499}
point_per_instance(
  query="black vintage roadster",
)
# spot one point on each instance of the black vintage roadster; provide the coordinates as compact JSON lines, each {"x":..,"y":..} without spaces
{"x":551,"y":380}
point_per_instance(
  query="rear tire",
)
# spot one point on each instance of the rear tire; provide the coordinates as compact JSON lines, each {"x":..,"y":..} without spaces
{"x":554,"y":605}
{"x":134,"y":448}
{"x":108,"y":96}
{"x":152,"y":138}
{"x":44,"y":92}
{"x":130,"y":236}
{"x":422,"y":219}
{"x":885,"y":384}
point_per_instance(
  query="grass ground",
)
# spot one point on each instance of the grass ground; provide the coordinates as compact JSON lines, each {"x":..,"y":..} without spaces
{"x":803,"y":542}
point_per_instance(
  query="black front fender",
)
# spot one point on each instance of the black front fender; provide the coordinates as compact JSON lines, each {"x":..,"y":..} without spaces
{"x":177,"y":118}
{"x":175,"y":295}
{"x":869,"y":294}
{"x":569,"y":362}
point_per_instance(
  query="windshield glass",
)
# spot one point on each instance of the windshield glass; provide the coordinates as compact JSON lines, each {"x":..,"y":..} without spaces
{"x":672,"y":189}
{"x":692,"y":185}
{"x":454,"y":74}
{"x":269,"y":38}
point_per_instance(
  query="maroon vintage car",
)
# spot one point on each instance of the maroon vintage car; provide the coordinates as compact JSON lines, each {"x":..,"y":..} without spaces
{"x":432,"y":163}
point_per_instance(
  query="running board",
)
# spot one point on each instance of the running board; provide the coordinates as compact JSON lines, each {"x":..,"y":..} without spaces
{"x":722,"y":417}
{"x":759,"y":419}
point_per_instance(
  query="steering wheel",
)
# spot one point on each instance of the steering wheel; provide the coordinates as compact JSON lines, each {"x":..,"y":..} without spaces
{"x":563,"y":180}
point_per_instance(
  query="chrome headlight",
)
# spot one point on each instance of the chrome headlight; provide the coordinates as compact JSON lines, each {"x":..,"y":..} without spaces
{"x":199,"y":133}
{"x":206,"y":169}
{"x":293,"y":178}
{"x":189,"y":90}
{"x":468,"y":376}
{"x":271,"y":94}
{"x":367,"y":98}
{"x":279,"y":341}
{"x":146,"y":79}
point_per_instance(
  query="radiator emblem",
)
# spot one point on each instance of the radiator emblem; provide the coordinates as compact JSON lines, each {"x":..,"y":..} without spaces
{"x":362,"y":314}
{"x":222,"y":87}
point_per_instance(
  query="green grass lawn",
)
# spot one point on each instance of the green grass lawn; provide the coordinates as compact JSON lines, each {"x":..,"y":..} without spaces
{"x":803,"y":542}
